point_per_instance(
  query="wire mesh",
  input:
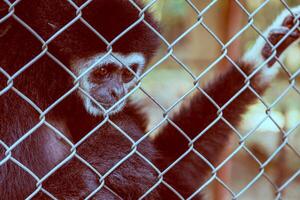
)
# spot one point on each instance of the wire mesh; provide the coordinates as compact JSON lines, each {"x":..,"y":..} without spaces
{"x":43,"y":121}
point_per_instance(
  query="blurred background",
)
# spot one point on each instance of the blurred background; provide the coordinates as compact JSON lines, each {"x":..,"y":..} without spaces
{"x":198,"y":50}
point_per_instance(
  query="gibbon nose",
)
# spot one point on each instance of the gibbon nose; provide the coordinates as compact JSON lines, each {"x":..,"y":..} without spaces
{"x":117,"y":93}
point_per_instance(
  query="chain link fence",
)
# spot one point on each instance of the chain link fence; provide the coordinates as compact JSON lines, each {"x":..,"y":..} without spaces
{"x":278,"y":190}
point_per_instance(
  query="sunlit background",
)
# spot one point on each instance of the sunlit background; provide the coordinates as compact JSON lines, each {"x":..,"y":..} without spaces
{"x":198,"y":50}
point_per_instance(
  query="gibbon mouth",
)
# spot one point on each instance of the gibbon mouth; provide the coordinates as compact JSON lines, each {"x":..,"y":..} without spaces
{"x":106,"y":106}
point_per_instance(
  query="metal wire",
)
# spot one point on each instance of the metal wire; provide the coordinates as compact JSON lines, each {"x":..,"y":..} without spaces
{"x":199,"y":22}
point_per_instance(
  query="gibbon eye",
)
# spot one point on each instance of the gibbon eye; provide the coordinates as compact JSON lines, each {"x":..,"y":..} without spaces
{"x":127,"y":75}
{"x":134,"y":67}
{"x":102,"y":72}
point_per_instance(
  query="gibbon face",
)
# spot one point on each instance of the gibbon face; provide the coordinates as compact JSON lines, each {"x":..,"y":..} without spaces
{"x":107,"y":46}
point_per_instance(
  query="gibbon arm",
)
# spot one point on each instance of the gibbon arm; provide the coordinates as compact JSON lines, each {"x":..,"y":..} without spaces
{"x":207,"y":124}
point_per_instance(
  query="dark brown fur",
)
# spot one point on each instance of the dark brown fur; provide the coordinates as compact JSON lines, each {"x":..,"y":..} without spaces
{"x":45,"y":81}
